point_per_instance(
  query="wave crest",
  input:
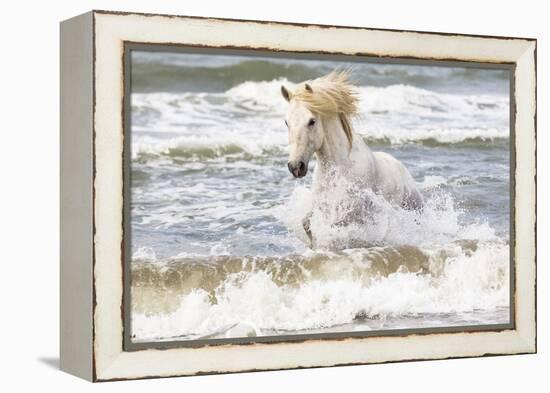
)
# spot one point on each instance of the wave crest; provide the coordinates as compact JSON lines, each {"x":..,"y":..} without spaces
{"x":249,"y":117}
{"x":329,"y":290}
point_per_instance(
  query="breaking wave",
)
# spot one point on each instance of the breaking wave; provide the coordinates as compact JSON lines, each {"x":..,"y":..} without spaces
{"x":196,"y":297}
{"x":248,"y":119}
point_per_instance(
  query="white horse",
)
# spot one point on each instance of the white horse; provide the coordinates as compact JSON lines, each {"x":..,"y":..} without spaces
{"x":319,"y":122}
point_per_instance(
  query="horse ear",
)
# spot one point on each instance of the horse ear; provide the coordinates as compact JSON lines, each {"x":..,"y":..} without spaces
{"x":285,"y":93}
{"x":308,"y":88}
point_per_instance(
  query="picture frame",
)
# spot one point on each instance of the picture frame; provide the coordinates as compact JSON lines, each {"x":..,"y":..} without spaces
{"x":95,"y":334}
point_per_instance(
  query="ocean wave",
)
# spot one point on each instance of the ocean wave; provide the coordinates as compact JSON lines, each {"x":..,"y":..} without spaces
{"x":250,"y":117}
{"x":410,"y":99}
{"x":274,"y":145}
{"x":472,"y":138}
{"x":146,"y":148}
{"x":193,"y":298}
{"x":397,"y":99}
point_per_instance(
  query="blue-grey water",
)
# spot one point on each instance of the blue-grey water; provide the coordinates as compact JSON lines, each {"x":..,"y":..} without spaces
{"x":215,"y":215}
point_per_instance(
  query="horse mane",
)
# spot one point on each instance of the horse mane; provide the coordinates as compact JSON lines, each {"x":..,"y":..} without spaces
{"x":331,"y":94}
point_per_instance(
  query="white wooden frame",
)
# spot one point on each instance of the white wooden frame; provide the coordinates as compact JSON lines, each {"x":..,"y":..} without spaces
{"x":92,"y":341}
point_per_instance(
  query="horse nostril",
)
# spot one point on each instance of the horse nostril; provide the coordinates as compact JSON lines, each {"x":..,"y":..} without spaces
{"x":298,"y":169}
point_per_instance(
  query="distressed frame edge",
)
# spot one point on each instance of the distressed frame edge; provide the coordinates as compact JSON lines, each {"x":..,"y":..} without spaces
{"x":525,"y":159}
{"x":259,"y":370}
{"x":304,"y":24}
{"x":528,"y":340}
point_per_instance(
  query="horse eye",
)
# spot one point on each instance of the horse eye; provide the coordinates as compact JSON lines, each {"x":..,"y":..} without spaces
{"x":311,"y":122}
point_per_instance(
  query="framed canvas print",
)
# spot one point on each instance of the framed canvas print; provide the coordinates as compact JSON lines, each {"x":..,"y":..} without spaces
{"x":244,"y":195}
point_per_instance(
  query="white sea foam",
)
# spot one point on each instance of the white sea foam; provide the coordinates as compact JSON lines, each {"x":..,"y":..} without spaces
{"x":438,"y":223}
{"x":252,"y":301}
{"x":250,"y":117}
{"x":437,"y":134}
{"x":431,"y":182}
{"x":267,"y":94}
{"x":207,"y":145}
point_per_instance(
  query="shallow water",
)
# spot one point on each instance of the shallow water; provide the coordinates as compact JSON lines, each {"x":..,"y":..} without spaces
{"x":218,"y":249}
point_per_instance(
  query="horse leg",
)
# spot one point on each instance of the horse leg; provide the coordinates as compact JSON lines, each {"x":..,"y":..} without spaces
{"x":306,"y":224}
{"x":413,"y":201}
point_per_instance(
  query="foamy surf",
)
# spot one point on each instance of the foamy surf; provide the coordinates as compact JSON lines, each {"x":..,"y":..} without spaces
{"x":193,"y":298}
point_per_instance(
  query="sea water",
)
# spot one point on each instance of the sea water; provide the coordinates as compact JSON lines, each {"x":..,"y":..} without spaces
{"x":218,"y":248}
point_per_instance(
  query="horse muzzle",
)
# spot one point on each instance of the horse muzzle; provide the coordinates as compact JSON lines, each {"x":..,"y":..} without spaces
{"x":297,"y":168}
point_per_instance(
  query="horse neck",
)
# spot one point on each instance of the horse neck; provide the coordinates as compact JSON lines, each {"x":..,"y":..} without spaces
{"x":336,"y":158}
{"x":335,"y":150}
